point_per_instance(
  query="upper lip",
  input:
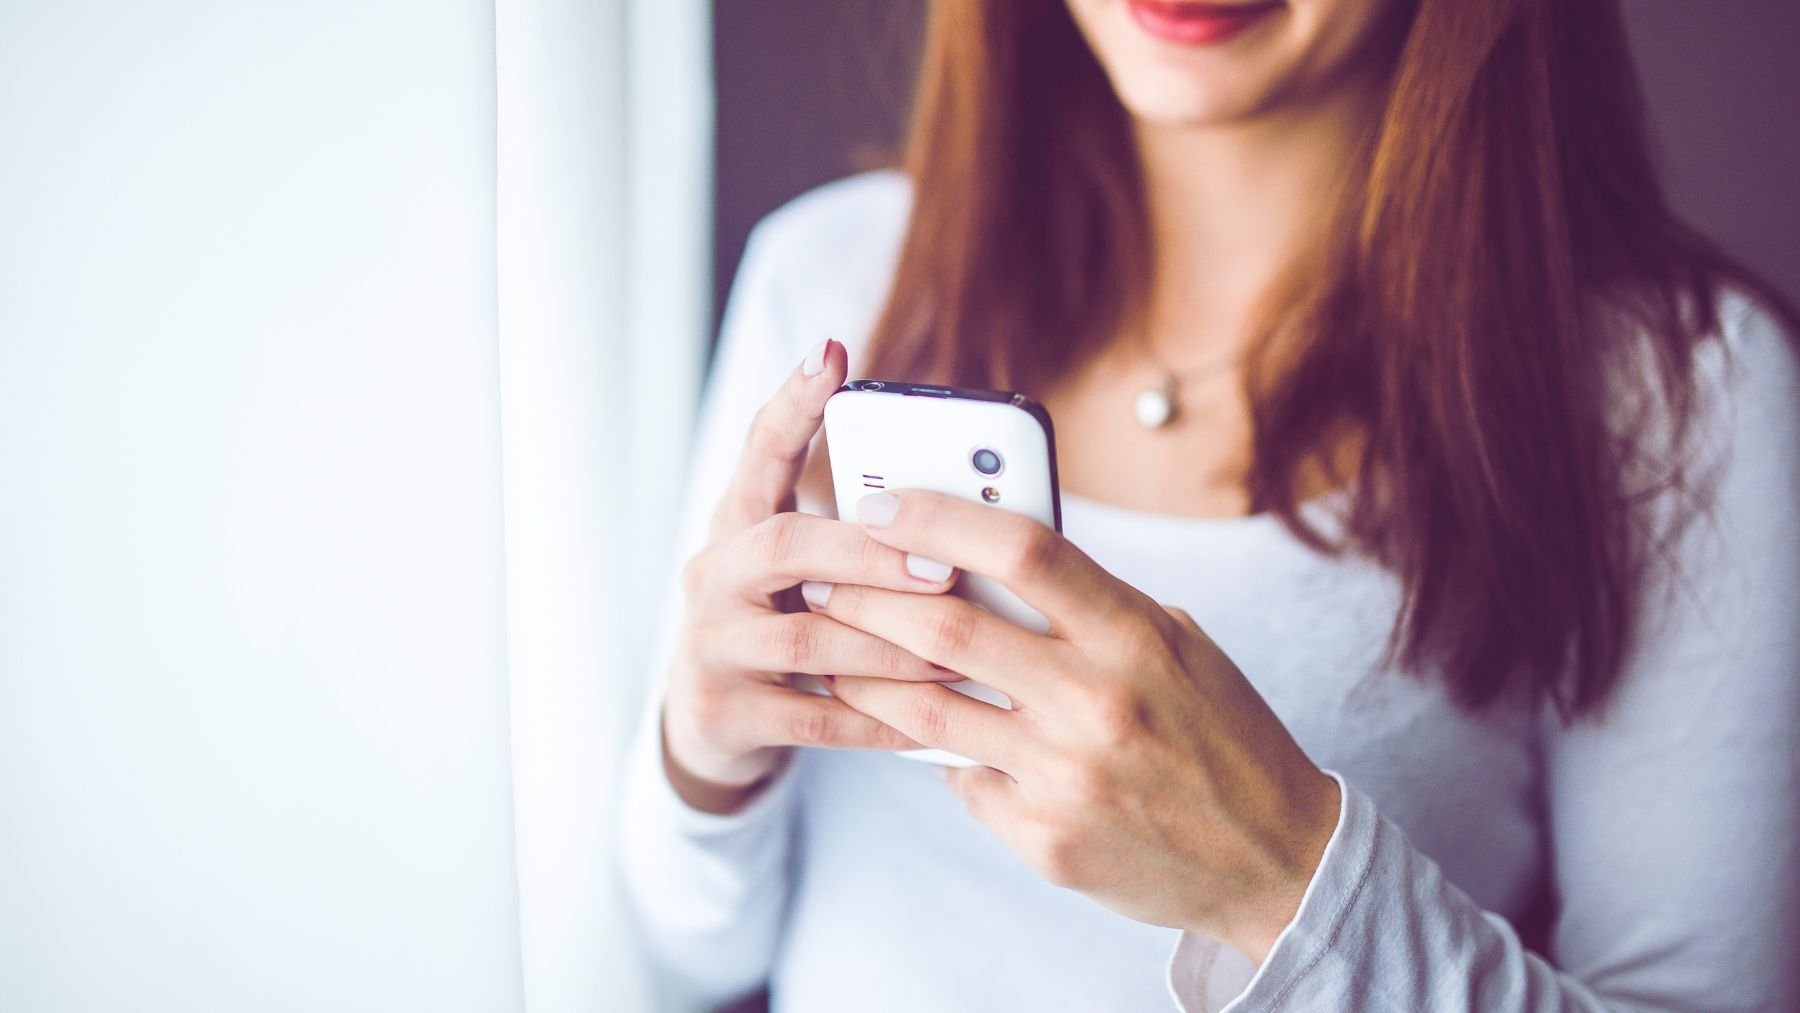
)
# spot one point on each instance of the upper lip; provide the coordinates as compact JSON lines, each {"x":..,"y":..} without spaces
{"x":1247,"y":5}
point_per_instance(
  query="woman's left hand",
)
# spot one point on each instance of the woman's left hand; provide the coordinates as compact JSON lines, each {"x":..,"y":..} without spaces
{"x":1138,"y":766}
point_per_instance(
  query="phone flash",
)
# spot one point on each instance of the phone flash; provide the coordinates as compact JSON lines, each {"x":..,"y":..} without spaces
{"x":990,"y":494}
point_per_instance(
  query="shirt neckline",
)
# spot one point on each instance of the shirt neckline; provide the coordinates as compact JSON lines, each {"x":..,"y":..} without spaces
{"x":1322,"y":510}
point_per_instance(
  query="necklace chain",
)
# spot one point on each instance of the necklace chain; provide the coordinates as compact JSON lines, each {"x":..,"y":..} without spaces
{"x":1206,"y":367}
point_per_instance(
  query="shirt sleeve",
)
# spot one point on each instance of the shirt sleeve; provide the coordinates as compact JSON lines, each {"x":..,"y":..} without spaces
{"x":1673,"y":818}
{"x":708,"y":891}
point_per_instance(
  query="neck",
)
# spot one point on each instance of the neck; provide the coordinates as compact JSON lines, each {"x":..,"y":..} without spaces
{"x":1230,"y":207}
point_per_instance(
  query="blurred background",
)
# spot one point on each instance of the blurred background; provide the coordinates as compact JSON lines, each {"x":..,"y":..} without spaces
{"x":347,"y":358}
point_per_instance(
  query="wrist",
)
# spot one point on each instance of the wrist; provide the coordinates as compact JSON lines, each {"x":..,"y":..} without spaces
{"x":1312,"y":821}
{"x":721,"y":795}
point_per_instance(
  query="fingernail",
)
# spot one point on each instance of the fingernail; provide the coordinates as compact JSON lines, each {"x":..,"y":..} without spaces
{"x":927,"y":569}
{"x":816,"y":592}
{"x":814,"y":363}
{"x":878,"y":510}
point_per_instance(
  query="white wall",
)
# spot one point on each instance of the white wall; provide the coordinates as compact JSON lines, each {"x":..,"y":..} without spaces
{"x":253,"y":710}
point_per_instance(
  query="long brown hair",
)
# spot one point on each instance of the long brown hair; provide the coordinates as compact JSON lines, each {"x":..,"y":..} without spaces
{"x":1503,"y":243}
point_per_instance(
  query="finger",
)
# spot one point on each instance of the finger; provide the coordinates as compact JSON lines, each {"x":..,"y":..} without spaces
{"x":988,"y":794}
{"x":946,"y":630}
{"x":939,"y":717}
{"x":789,"y":548}
{"x":775,"y":447}
{"x":816,"y":645}
{"x":787,"y":718}
{"x":1030,"y":559}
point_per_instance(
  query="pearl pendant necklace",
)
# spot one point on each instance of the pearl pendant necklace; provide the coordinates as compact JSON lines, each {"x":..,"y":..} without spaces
{"x":1155,"y":406}
{"x":1159,"y":406}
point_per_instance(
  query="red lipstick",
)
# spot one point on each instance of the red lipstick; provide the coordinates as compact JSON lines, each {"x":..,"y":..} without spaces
{"x":1192,"y":23}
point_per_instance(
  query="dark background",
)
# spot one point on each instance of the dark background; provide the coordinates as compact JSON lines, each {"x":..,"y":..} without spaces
{"x":808,"y":91}
{"x":811,"y":90}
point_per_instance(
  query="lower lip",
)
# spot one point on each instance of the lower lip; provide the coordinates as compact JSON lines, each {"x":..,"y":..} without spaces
{"x":1196,"y":24}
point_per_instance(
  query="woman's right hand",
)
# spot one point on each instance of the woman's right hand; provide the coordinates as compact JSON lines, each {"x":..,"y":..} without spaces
{"x":730,"y":716}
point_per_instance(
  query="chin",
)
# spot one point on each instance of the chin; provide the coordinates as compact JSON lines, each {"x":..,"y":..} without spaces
{"x":1177,"y":98}
{"x":1289,"y":50}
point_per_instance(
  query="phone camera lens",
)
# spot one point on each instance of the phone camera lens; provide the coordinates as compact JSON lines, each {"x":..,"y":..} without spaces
{"x":986,"y":462}
{"x":873,"y":385}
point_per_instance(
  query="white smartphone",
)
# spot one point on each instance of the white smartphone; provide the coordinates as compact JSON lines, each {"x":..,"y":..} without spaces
{"x":992,"y":447}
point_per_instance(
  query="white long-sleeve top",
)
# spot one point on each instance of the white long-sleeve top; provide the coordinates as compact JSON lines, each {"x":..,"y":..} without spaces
{"x":1665,"y":837}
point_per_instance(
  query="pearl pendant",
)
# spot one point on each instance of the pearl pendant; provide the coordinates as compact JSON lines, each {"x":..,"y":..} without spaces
{"x":1155,"y":406}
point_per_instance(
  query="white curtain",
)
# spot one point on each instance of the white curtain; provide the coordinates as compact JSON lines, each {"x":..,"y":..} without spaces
{"x":604,"y":190}
{"x":346,"y":356}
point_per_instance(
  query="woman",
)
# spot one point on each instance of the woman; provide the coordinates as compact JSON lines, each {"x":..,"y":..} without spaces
{"x":1437,"y":652}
